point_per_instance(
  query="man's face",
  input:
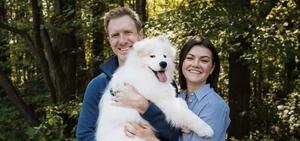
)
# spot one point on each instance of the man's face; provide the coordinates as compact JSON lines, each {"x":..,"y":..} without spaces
{"x":122,"y":34}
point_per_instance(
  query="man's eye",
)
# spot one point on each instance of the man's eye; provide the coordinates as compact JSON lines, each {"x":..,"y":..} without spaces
{"x":114,"y":35}
{"x":127,"y":32}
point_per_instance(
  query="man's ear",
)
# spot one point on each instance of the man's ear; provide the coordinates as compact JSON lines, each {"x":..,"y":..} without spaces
{"x":141,"y":34}
{"x":108,"y":38}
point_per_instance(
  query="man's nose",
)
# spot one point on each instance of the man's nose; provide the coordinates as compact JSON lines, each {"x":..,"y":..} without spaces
{"x":123,"y":39}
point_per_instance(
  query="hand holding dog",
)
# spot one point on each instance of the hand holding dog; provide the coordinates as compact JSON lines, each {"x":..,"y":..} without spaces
{"x":128,"y":96}
{"x":144,"y":130}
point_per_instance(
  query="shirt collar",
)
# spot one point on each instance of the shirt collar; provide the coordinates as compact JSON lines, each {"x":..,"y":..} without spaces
{"x":202,"y":91}
{"x":110,"y":66}
{"x":199,"y":93}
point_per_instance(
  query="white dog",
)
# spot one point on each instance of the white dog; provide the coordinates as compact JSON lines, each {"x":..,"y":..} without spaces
{"x":149,"y":68}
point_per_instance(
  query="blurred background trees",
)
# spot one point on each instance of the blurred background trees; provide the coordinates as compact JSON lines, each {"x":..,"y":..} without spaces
{"x":49,"y":51}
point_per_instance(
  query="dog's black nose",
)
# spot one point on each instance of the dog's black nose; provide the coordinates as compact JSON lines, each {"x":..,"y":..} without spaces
{"x":163,"y":64}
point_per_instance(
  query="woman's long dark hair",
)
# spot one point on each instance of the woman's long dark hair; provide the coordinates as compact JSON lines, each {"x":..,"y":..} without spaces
{"x":212,"y":78}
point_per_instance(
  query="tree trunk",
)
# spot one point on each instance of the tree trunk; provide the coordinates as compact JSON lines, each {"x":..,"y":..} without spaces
{"x":290,"y":66}
{"x":239,"y":96}
{"x":14,"y":95}
{"x":141,"y":9}
{"x":37,"y":49}
{"x":289,"y":75}
{"x":121,"y":2}
{"x":59,"y":68}
{"x":259,"y":78}
{"x":12,"y":92}
{"x":98,"y":10}
{"x":3,"y":34}
{"x":239,"y":74}
{"x":64,"y":43}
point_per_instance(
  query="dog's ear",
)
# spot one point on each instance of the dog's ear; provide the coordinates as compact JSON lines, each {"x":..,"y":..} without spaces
{"x":167,"y":41}
{"x":163,"y":38}
{"x":139,"y":46}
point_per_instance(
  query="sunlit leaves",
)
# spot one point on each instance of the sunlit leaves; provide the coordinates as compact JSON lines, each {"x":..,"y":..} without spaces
{"x":270,"y":29}
{"x":289,"y":111}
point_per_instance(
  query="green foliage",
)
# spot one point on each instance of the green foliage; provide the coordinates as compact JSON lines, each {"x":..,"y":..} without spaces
{"x":270,"y":29}
{"x":59,"y":122}
{"x":12,"y":124}
{"x":273,"y":37}
{"x":265,"y":138}
{"x":289,"y":111}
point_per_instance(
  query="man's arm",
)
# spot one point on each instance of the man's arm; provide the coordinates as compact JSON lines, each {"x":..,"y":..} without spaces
{"x":86,"y":126}
{"x":156,"y":118}
{"x":130,"y":97}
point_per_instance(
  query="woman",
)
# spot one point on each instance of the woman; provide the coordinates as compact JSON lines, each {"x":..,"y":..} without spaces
{"x":199,"y":68}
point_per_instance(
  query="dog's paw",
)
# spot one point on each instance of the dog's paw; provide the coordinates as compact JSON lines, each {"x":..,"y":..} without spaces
{"x":185,"y":130}
{"x":206,"y":132}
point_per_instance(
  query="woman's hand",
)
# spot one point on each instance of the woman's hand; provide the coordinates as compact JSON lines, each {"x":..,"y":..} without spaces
{"x":128,"y":96}
{"x":142,"y":130}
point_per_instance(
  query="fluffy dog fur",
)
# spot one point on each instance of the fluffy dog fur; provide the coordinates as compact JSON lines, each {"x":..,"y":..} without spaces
{"x":149,"y":67}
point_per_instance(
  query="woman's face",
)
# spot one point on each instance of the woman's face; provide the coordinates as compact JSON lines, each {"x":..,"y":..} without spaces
{"x":197,"y":66}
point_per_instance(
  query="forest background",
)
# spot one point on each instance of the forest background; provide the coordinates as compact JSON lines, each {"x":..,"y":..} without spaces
{"x":51,"y":49}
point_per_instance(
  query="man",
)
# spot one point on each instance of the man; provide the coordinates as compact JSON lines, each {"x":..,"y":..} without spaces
{"x":123,"y":29}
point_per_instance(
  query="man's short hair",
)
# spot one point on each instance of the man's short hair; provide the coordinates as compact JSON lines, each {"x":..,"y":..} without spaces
{"x":119,"y":12}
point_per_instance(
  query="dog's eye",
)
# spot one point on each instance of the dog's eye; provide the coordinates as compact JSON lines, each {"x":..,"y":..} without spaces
{"x":165,"y":56}
{"x":152,"y":56}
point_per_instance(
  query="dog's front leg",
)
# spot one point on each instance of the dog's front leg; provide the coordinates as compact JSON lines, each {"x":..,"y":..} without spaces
{"x":178,"y":114}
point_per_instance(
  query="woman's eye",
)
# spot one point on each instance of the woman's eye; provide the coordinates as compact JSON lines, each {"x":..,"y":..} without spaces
{"x":205,"y":61}
{"x":189,"y":58}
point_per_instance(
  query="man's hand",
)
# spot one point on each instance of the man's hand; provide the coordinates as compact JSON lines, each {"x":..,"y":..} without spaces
{"x":128,"y":96}
{"x":142,"y":130}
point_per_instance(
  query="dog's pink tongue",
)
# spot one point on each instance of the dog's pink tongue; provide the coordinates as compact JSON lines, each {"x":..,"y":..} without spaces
{"x":162,"y":76}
